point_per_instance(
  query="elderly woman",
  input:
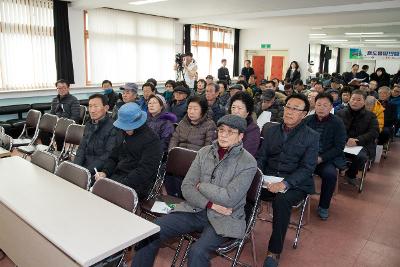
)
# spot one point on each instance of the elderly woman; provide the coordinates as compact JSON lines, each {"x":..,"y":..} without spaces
{"x":193,"y":132}
{"x":242,"y":104}
{"x":160,"y":121}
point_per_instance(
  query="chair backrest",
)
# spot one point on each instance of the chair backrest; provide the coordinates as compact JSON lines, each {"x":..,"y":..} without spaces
{"x":74,"y":134}
{"x":47,"y":123}
{"x":33,"y":118}
{"x":267,"y":126}
{"x":118,"y":194}
{"x":74,"y":173}
{"x":6,"y":141}
{"x":82,"y":114}
{"x":253,"y":198}
{"x":62,"y":126}
{"x":44,"y":160}
{"x":179,"y":161}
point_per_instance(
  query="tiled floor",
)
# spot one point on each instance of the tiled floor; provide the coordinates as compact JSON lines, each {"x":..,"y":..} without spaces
{"x":363,"y":229}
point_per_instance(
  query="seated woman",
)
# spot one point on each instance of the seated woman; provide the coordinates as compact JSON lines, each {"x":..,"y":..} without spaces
{"x":193,"y":132}
{"x":242,"y":104}
{"x":160,"y":121}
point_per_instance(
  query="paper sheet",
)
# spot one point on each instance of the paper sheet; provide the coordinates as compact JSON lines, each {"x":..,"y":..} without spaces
{"x":161,"y":207}
{"x":264,"y":117}
{"x":271,"y":179}
{"x":354,"y":150}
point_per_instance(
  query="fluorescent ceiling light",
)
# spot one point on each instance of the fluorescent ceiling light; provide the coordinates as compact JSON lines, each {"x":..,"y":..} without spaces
{"x":380,"y":40}
{"x":317,"y":34}
{"x":317,"y":37}
{"x":363,"y":33}
{"x":336,"y":40}
{"x":316,"y":28}
{"x":144,"y":2}
{"x":388,"y":45}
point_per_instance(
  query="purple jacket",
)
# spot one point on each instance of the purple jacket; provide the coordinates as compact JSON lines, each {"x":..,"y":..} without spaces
{"x":251,"y":138}
{"x":163,"y":126}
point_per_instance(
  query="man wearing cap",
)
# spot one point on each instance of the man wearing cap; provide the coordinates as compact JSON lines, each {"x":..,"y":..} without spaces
{"x":129,"y":94}
{"x":179,"y":105}
{"x":365,"y":87}
{"x":289,"y":151}
{"x":215,"y":196}
{"x":100,"y":136}
{"x":271,"y":104}
{"x":135,"y":161}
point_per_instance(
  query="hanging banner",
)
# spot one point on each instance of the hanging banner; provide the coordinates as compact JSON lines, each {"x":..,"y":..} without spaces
{"x":358,"y":53}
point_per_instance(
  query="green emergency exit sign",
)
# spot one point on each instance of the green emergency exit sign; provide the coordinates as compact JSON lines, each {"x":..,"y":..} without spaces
{"x":265,"y":45}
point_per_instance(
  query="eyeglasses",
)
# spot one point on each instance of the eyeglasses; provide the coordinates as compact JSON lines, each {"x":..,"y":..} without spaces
{"x":293,"y":108}
{"x":227,"y":132}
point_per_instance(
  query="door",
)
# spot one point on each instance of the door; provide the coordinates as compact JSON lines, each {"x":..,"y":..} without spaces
{"x":259,"y":67}
{"x":277,"y":67}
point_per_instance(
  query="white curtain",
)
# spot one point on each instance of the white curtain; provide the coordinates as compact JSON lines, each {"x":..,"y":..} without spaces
{"x":333,"y":60}
{"x":210,"y":44}
{"x":27,"y":56}
{"x":125,"y":46}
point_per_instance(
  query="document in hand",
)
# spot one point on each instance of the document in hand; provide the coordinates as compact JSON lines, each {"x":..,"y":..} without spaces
{"x":272,"y":180}
{"x":354,"y":150}
{"x":161,"y":207}
{"x":264,"y":117}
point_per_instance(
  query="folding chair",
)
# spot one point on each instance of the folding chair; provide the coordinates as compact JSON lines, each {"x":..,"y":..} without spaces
{"x":31,"y":124}
{"x":59,"y":133}
{"x":122,"y":196}
{"x":46,"y":125}
{"x":5,"y":143}
{"x":74,"y":173}
{"x":178,"y":163}
{"x":82,"y":114}
{"x":44,"y":160}
{"x":251,"y":208}
{"x":157,"y":186}
{"x":72,"y":140}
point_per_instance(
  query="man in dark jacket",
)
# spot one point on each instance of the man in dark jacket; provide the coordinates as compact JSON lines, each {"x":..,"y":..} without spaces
{"x":289,"y":151}
{"x":223,"y":72}
{"x":100,"y":136}
{"x":362,"y":130}
{"x":112,"y":96}
{"x":215,"y":109}
{"x":270,"y":103}
{"x":179,"y":104}
{"x":247,"y":70}
{"x":65,"y":105}
{"x":332,"y":139}
{"x":135,"y":161}
{"x":390,"y":114}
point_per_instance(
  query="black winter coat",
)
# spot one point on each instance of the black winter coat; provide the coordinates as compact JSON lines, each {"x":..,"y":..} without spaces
{"x":292,"y":156}
{"x":135,"y":161}
{"x":66,"y":107}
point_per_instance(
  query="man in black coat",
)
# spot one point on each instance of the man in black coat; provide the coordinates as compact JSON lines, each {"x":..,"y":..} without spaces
{"x":223,"y":72}
{"x":65,"y":105}
{"x":135,"y":161}
{"x":390,"y":115}
{"x":362,"y":130}
{"x":247,"y":70}
{"x":289,"y":151}
{"x":332,"y":139}
{"x":100,"y":136}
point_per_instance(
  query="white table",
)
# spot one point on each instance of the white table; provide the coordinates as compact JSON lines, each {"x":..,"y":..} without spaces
{"x":47,"y":221}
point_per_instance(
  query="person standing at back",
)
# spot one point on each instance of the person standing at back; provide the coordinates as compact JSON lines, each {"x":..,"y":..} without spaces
{"x":247,"y":70}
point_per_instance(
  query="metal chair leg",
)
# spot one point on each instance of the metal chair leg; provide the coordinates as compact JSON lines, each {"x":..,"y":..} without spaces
{"x":177,"y":251}
{"x":364,"y":173}
{"x":300,"y":224}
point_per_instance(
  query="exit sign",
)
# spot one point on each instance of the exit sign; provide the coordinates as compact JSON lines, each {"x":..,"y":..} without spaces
{"x":265,"y":45}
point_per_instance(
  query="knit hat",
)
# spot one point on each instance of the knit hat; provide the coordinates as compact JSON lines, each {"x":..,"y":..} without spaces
{"x":233,"y":121}
{"x":161,"y":99}
{"x":130,"y":117}
{"x":182,"y":89}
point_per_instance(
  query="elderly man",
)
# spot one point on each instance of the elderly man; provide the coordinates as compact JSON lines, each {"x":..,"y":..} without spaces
{"x":215,"y":109}
{"x":215,"y":196}
{"x":331,"y":144}
{"x":135,"y":161}
{"x":65,"y":105}
{"x":390,"y":114}
{"x":129,"y":94}
{"x":362,"y":130}
{"x":289,"y":151}
{"x":99,"y":138}
{"x":270,"y":103}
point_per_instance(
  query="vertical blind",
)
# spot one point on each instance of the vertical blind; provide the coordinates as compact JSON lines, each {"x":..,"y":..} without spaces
{"x":210,"y":44}
{"x":125,"y":46}
{"x":27,"y":57}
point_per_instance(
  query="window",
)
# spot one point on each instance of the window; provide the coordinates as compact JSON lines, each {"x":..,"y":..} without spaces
{"x":125,"y":46}
{"x":210,"y":44}
{"x":27,"y":55}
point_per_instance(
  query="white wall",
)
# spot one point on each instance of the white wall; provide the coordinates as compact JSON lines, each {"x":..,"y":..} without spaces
{"x":293,"y":39}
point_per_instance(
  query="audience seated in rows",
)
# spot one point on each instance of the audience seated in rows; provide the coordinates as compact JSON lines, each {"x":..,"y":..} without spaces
{"x":215,"y":196}
{"x":290,"y":151}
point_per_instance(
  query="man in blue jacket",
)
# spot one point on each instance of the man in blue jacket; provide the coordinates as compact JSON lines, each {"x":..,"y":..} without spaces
{"x":289,"y":151}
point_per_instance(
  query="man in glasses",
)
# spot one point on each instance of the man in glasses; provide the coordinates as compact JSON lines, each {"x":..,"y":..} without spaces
{"x":289,"y":151}
{"x":215,"y":189}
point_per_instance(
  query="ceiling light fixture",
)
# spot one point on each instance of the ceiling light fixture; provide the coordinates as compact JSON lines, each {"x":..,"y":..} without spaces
{"x":363,"y":33}
{"x":317,"y":34}
{"x":144,"y":2}
{"x":380,"y":40}
{"x":336,"y":40}
{"x":388,"y":45}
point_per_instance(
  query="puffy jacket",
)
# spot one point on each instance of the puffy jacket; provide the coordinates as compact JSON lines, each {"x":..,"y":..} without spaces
{"x":295,"y":77}
{"x":66,"y":107}
{"x":390,"y":113}
{"x":361,"y":125}
{"x":396,"y":101}
{"x":383,"y":80}
{"x":224,"y":182}
{"x":191,"y":136}
{"x":292,"y":155}
{"x":163,"y":126}
{"x":178,"y":109}
{"x":135,"y":161}
{"x":97,"y":143}
{"x":379,"y":112}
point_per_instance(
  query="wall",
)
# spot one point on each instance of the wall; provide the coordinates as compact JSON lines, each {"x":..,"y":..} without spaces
{"x":292,"y":39}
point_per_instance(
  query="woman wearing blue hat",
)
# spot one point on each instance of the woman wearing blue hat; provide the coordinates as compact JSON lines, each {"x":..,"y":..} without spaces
{"x":135,"y":162}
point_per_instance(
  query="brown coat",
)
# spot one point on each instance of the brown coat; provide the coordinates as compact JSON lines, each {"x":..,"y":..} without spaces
{"x":191,"y":136}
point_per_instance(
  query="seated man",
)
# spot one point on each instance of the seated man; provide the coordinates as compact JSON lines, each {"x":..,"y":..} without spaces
{"x":345,"y":95}
{"x":179,"y":104}
{"x":99,"y":138}
{"x":290,"y":151}
{"x":148,"y":89}
{"x":332,"y":139}
{"x":215,"y":109}
{"x":135,"y":161}
{"x":362,"y":130}
{"x":112,"y":97}
{"x":215,"y":189}
{"x":270,"y":103}
{"x":390,"y":114}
